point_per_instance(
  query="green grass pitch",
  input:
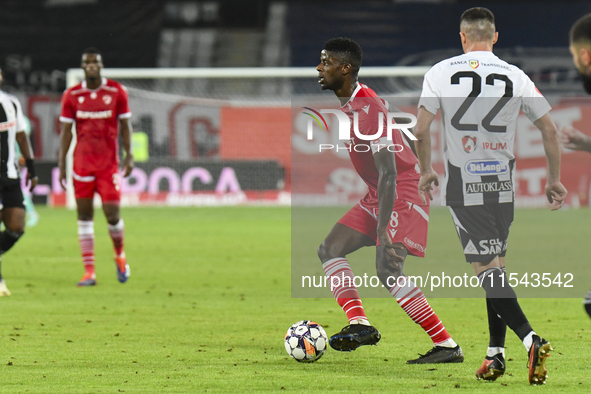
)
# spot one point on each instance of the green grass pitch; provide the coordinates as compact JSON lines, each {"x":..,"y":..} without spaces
{"x":209,"y":301}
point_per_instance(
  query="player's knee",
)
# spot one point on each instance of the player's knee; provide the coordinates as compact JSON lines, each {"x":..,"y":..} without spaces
{"x":327,"y":251}
{"x":15,"y":227}
{"x":84,"y":218}
{"x":388,"y":272}
{"x":113,"y":219}
{"x":112,"y":214}
{"x":15,"y":232}
{"x":322,"y":252}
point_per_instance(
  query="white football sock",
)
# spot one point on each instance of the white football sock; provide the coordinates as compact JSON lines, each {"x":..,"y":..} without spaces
{"x":360,"y":321}
{"x":447,"y":343}
{"x":528,"y":340}
{"x":493,"y":351}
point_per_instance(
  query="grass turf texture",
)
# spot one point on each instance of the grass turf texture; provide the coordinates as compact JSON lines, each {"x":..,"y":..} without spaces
{"x":208,"y":304}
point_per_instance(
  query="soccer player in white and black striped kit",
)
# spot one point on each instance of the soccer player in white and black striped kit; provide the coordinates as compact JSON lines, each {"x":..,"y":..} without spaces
{"x":480,"y":97}
{"x":12,"y":208}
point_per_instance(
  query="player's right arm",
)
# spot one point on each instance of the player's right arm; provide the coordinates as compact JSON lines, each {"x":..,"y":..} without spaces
{"x":423,"y":148}
{"x":385,"y":162}
{"x":65,"y":141}
{"x":555,"y":191}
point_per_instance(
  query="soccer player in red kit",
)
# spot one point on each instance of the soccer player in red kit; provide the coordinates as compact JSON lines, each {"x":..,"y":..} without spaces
{"x":391,"y":215}
{"x":99,"y":107}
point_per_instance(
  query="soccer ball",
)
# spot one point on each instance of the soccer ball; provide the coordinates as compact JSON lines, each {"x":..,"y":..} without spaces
{"x":306,"y":341}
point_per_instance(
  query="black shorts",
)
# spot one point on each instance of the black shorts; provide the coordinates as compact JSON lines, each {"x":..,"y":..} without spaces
{"x":11,"y":195}
{"x":483,"y":230}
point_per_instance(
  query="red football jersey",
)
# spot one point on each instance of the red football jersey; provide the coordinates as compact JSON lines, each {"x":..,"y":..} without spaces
{"x":96,"y":113}
{"x":368,"y":107}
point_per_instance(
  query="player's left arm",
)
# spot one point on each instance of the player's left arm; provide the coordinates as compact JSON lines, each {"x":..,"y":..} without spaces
{"x":126,"y":130}
{"x":27,"y":152}
{"x":385,"y":162}
{"x":555,"y":191}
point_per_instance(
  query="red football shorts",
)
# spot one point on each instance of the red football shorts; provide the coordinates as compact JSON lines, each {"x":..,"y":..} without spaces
{"x":107,"y":183}
{"x":408,"y":225}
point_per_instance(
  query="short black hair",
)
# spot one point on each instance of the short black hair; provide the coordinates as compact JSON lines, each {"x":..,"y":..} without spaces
{"x":349,"y":51}
{"x":581,"y":30}
{"x":477,"y":14}
{"x":92,"y":50}
{"x":479,"y":23}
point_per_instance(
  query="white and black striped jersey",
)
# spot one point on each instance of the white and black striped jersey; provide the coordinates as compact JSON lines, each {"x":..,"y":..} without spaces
{"x":12,"y":120}
{"x":480,"y":97}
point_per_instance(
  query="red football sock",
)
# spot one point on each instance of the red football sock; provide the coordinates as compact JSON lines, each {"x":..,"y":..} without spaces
{"x":116,"y":233}
{"x":86,"y":239}
{"x":340,"y":279}
{"x":413,"y":301}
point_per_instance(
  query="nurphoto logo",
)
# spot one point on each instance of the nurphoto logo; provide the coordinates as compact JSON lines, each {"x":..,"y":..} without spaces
{"x":344,"y":129}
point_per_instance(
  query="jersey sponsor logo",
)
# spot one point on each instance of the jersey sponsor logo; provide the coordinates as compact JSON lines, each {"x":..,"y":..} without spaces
{"x":107,"y":99}
{"x":474,"y":64}
{"x":469,"y":144}
{"x":94,"y":114}
{"x":485,"y":187}
{"x":494,"y":145}
{"x":496,"y":65}
{"x":470,"y":248}
{"x":490,"y":246}
{"x":486,"y":167}
{"x":80,"y":100}
{"x":414,"y":245}
{"x":457,"y":62}
{"x":4,"y":126}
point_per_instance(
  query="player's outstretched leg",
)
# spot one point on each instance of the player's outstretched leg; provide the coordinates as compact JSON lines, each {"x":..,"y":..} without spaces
{"x":341,"y":241}
{"x":493,"y":366}
{"x":412,"y":300}
{"x":86,"y":240}
{"x":504,"y":301}
{"x":359,"y":332}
